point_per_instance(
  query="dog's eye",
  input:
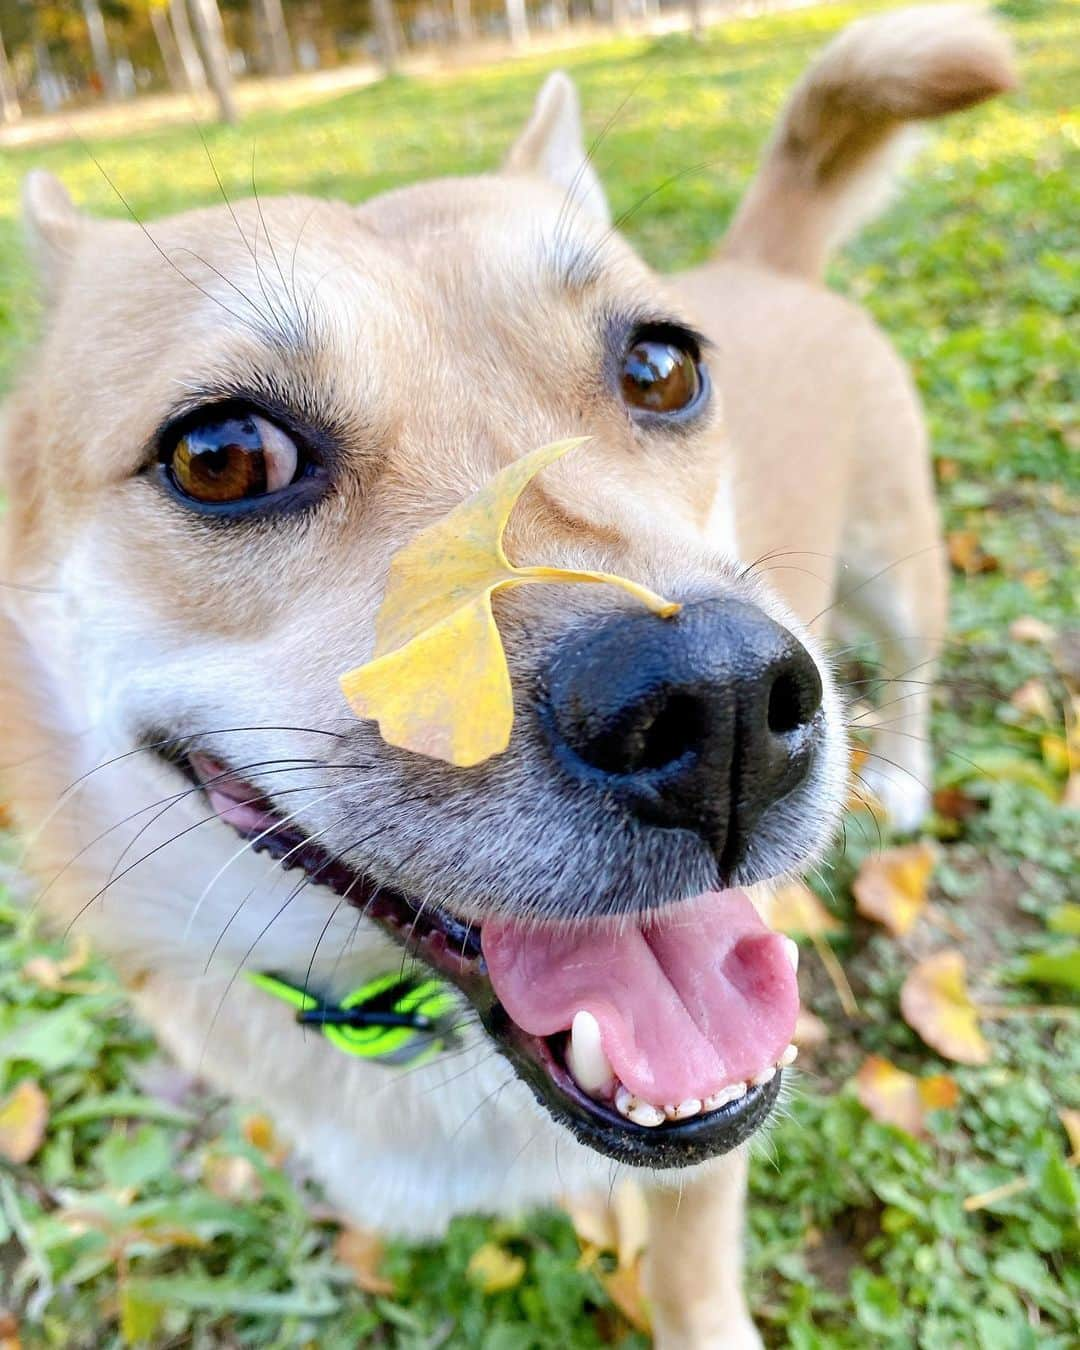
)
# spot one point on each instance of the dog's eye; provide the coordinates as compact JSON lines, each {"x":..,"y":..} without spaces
{"x":228,"y":459}
{"x":659,"y":376}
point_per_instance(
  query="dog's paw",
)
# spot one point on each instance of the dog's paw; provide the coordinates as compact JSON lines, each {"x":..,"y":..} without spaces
{"x":905,"y":801}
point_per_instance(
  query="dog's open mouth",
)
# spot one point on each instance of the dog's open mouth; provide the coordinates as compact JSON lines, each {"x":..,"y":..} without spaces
{"x":657,"y":1040}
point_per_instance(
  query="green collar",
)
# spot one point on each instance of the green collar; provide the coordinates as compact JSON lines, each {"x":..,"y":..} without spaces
{"x":394,"y":1019}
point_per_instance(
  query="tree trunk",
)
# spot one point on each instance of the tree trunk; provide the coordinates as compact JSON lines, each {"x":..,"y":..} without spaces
{"x":170,"y":55}
{"x":388,"y":34}
{"x":697,"y":19}
{"x":215,"y":54}
{"x":517,"y":21}
{"x":270,"y":20}
{"x":620,"y":13}
{"x":463,"y":20}
{"x":194,"y":74}
{"x":9,"y":95}
{"x":99,"y":45}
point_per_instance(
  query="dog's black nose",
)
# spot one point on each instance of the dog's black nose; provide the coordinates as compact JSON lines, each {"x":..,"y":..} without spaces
{"x":700,"y":722}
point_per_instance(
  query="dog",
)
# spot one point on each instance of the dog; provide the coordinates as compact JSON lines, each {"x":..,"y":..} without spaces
{"x":232,"y":422}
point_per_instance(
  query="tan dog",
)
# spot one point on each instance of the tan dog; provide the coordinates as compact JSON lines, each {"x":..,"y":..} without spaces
{"x":230,"y":426}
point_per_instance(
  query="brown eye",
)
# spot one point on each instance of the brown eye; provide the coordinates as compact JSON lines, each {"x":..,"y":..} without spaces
{"x":233,"y":458}
{"x":659,"y":376}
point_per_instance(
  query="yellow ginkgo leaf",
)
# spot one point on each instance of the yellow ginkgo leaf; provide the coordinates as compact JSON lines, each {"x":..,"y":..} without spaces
{"x":891,"y":887}
{"x":935,"y":1001}
{"x":438,"y":683}
{"x":894,"y":1097}
{"x":794,"y":909}
{"x":23,"y":1117}
{"x":493,"y":1269}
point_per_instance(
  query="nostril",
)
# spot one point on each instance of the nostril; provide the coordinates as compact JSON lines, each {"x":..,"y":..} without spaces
{"x":678,"y":728}
{"x":649,"y":737}
{"x":794,"y":698}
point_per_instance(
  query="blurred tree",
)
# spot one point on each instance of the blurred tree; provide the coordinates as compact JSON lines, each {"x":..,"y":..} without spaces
{"x":517,"y":22}
{"x":166,"y":41}
{"x":388,"y":34}
{"x":697,"y":18}
{"x":210,"y":31}
{"x":9,"y":95}
{"x":463,"y":20}
{"x":194,"y":74}
{"x":99,"y":45}
{"x":273,"y":36}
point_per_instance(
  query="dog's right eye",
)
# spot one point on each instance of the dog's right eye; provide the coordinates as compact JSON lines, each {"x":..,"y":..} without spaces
{"x":232,"y":458}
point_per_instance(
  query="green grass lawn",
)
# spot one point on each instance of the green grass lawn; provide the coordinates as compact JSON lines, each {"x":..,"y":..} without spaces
{"x":139,"y":1222}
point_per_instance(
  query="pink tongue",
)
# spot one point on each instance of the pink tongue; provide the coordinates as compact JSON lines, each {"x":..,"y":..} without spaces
{"x":687,"y":1003}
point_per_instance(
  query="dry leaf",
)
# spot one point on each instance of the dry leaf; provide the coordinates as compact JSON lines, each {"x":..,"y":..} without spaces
{"x":51,"y":975}
{"x":438,"y":683}
{"x":966,"y":553}
{"x":935,"y":1002}
{"x":794,"y":909}
{"x":1070,"y":1119}
{"x":891,"y":888}
{"x":259,"y":1133}
{"x":1027,"y":628}
{"x":625,"y":1290}
{"x":593,"y":1220}
{"x":362,"y":1252}
{"x":231,"y":1177}
{"x":631,"y":1221}
{"x":23,"y":1116}
{"x":9,"y":1331}
{"x":493,"y":1269}
{"x":810,"y":1030}
{"x":954,"y":804}
{"x":1033,"y":700}
{"x":894,"y":1097}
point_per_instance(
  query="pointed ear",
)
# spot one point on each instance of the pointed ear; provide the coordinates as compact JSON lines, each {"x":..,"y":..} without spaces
{"x":53,"y":225}
{"x":551,"y":146}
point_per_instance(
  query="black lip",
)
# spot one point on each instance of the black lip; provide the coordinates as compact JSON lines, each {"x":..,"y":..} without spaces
{"x":453,"y":951}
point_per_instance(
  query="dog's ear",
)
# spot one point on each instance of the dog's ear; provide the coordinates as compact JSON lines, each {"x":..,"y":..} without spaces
{"x":551,"y":146}
{"x":53,"y":225}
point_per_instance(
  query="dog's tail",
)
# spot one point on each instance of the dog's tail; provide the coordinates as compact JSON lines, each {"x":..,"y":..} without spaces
{"x":843,"y":134}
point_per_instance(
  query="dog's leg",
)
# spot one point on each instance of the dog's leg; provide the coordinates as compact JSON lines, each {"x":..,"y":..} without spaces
{"x":693,"y":1266}
{"x":894,"y":587}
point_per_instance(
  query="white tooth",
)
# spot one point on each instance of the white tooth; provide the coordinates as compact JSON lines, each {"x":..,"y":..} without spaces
{"x":789,"y":1056}
{"x":644,"y":1113}
{"x":585,"y":1056}
{"x":765,"y":1076}
{"x":791,"y":951}
{"x":624,"y":1100}
{"x":731,"y":1093}
{"x":688,"y":1108}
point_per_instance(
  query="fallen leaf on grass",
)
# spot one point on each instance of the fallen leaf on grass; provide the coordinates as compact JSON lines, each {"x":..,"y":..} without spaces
{"x":935,"y":1002}
{"x":232,"y":1177}
{"x":891,"y":887}
{"x":1033,"y":699}
{"x":438,"y":683}
{"x":259,"y":1132}
{"x":1057,"y":967}
{"x":966,"y":553}
{"x":810,"y":1030}
{"x":493,"y":1269}
{"x":53,"y":975}
{"x":1070,"y":1119}
{"x":619,"y":1224}
{"x":624,"y":1288}
{"x":1027,"y":628}
{"x":23,"y":1116}
{"x":952,"y":803}
{"x":794,"y":909}
{"x":894,"y":1097}
{"x":361,"y":1252}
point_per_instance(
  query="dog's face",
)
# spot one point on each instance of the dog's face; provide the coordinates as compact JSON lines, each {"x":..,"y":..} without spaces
{"x":235,"y":424}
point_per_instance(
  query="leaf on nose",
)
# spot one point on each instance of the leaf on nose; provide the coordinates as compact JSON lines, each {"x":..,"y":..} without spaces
{"x":438,"y":683}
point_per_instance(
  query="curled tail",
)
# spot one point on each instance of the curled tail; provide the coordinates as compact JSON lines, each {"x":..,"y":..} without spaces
{"x":841,"y":137}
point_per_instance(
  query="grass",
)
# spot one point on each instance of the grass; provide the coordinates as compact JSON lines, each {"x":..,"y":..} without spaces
{"x":138,"y":1222}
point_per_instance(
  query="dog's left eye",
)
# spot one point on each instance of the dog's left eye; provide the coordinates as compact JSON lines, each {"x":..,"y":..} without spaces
{"x":233,"y":458}
{"x":661,"y":374}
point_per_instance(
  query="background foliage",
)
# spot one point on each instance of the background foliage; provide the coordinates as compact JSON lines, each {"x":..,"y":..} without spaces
{"x":129,"y":1218}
